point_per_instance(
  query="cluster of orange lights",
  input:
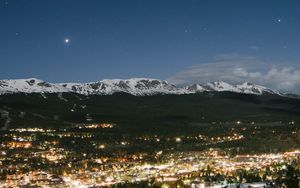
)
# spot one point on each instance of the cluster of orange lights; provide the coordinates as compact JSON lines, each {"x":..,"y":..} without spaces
{"x":15,"y":144}
{"x":97,"y":126}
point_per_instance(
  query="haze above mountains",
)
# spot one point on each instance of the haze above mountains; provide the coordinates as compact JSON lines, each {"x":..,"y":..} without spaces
{"x":134,"y":86}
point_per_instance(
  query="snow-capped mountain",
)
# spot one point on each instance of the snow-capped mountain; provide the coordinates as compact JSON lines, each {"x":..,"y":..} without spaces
{"x":247,"y":88}
{"x":134,"y":86}
{"x":255,"y":89}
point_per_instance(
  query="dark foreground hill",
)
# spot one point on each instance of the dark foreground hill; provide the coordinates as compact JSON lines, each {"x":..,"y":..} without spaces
{"x":145,"y":112}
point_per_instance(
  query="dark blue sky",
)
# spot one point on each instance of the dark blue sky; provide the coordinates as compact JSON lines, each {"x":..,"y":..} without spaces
{"x":139,"y":38}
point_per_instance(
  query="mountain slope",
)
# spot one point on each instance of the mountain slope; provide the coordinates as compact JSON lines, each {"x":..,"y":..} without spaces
{"x":159,"y":111}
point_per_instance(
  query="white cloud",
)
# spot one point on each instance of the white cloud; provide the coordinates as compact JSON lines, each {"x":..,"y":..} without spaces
{"x":236,"y":69}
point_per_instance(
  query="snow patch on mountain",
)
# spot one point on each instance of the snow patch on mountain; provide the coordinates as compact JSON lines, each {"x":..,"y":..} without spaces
{"x":220,"y":86}
{"x":250,"y":88}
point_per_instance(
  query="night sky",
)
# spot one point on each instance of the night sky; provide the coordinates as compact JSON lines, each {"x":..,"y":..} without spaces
{"x":89,"y":40}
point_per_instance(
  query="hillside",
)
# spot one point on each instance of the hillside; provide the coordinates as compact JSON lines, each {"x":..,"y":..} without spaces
{"x":145,"y":112}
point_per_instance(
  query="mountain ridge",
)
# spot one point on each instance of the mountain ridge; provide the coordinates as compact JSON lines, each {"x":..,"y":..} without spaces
{"x":134,"y":86}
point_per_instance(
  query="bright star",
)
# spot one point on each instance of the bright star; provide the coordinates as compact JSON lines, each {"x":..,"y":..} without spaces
{"x":279,"y":20}
{"x":67,"y":40}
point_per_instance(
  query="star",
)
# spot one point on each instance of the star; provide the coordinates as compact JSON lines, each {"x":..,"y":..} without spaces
{"x":279,"y":20}
{"x":67,"y":40}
